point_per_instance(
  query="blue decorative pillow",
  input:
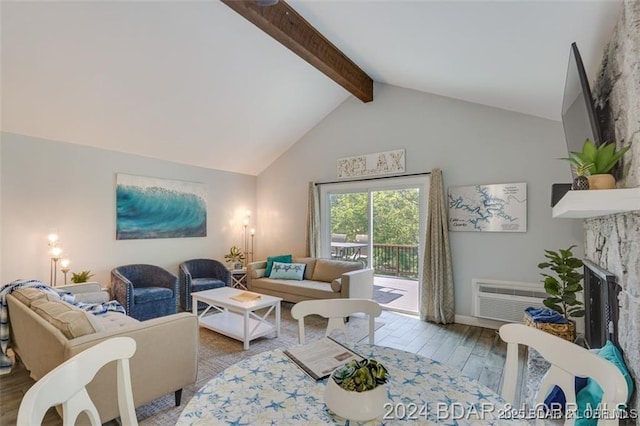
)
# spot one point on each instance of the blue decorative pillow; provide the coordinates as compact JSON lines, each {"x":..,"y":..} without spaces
{"x":283,"y":258}
{"x":556,"y":397}
{"x":591,"y":394}
{"x":288,"y":271}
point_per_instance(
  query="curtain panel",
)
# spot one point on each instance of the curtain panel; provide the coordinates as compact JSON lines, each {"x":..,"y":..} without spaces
{"x":313,"y":222}
{"x":437,"y":301}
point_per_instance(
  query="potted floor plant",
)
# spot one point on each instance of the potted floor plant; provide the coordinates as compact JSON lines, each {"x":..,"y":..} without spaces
{"x":597,"y":162}
{"x":356,"y":390}
{"x":563,"y":285}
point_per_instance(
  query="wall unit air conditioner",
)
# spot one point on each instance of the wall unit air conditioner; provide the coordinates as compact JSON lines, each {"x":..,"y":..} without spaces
{"x":505,"y":300}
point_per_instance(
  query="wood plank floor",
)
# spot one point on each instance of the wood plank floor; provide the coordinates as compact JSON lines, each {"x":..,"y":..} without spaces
{"x":478,"y":352}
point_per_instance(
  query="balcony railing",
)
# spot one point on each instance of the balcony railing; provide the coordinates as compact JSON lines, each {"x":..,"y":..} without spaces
{"x":389,"y":259}
{"x":396,"y":260}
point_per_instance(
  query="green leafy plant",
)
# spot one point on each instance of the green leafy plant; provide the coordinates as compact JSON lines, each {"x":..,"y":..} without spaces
{"x":594,"y":160}
{"x":234,"y":255}
{"x":360,"y":376}
{"x":564,"y":286}
{"x":81,"y":277}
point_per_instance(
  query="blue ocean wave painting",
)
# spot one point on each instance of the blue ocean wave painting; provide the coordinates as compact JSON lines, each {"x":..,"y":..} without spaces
{"x":146,"y":211}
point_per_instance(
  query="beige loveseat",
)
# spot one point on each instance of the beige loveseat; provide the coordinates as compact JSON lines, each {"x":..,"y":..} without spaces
{"x":323,"y":279}
{"x":45,"y":332}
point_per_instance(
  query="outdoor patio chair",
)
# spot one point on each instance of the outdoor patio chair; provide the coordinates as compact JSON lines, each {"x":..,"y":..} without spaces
{"x":336,"y":252}
{"x":362,"y":252}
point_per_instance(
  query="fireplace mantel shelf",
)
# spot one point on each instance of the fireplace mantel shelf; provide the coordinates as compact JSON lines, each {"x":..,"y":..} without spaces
{"x":594,"y":203}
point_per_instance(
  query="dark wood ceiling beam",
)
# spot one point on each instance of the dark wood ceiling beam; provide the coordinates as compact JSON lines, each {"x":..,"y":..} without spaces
{"x":285,"y":25}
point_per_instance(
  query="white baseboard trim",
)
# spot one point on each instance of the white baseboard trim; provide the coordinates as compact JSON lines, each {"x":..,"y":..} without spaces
{"x":478,"y":322}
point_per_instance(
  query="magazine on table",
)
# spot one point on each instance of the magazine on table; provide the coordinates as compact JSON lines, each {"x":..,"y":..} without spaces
{"x":320,"y":358}
{"x":246,"y":296}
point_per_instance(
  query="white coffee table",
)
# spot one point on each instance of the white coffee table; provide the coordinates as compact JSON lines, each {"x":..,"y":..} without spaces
{"x":236,"y":319}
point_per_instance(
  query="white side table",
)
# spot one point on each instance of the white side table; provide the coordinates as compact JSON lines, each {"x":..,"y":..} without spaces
{"x":238,"y":278}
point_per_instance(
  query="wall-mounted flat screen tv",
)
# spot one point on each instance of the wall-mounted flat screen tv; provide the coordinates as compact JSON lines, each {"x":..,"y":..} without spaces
{"x":578,"y":112}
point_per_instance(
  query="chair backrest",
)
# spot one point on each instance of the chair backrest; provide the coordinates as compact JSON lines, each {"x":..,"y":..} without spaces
{"x":362,"y":238}
{"x":336,"y":310}
{"x":339,"y":238}
{"x":568,"y":361}
{"x":204,"y":268}
{"x":362,"y":252}
{"x":66,"y":384}
{"x":137,"y":273}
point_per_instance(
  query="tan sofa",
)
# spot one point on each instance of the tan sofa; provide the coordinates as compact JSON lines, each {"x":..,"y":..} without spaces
{"x":45,"y":332}
{"x":323,"y":279}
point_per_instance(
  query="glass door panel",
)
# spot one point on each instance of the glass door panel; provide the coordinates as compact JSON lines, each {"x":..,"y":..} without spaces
{"x":396,"y":225}
{"x":349,"y":221}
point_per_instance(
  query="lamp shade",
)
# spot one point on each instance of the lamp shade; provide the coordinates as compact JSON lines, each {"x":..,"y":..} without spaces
{"x":56,"y":252}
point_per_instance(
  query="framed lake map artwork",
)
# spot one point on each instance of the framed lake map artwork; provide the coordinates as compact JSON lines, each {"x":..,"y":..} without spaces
{"x":149,"y":207}
{"x":488,"y":208}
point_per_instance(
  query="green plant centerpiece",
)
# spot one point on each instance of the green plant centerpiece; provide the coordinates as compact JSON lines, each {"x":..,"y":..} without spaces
{"x":593,"y":161}
{"x":360,"y":376}
{"x":564,"y":285}
{"x":235,"y":255}
{"x":81,"y":277}
{"x":356,"y":390}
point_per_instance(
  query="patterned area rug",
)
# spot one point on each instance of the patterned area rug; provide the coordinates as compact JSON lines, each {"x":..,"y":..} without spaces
{"x":218,"y":352}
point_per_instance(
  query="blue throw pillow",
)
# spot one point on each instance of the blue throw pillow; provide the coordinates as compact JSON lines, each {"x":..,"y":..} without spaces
{"x":591,"y":394}
{"x":287,"y":271}
{"x":283,"y":258}
{"x":556,"y":397}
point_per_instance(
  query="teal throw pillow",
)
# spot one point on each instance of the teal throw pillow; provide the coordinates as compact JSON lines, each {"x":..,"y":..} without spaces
{"x":288,"y":271}
{"x":283,"y":258}
{"x":591,"y":395}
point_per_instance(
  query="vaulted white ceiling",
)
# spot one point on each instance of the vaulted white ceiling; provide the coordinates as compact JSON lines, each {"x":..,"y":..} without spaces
{"x":194,"y":82}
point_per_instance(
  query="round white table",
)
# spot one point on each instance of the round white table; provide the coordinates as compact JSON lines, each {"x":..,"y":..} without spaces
{"x":269,"y":388}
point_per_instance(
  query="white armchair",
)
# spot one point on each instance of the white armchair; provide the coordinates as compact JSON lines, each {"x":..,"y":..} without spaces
{"x":358,"y":284}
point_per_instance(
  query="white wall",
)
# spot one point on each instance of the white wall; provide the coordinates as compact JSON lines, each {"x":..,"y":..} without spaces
{"x":48,"y":184}
{"x":471,"y":143}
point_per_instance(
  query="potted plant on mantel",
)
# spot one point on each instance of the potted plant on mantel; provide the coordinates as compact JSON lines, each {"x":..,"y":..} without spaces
{"x":596,"y":162}
{"x":562,"y":289}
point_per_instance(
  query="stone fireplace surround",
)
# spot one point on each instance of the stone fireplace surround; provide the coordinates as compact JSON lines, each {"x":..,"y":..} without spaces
{"x":613,"y":242}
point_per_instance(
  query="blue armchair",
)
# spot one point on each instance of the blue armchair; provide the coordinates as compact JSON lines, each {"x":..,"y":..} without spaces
{"x":199,"y":275}
{"x":145,"y":291}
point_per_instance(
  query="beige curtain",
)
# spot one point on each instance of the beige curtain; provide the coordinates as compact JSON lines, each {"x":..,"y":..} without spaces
{"x":437,"y":303}
{"x":313,"y":222}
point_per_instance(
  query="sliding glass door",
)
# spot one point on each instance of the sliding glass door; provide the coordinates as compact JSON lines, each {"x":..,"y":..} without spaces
{"x":379,"y":223}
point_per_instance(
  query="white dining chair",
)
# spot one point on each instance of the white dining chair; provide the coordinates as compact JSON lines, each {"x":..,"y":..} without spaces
{"x":66,"y":385}
{"x":568,"y":361}
{"x":336,"y":310}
